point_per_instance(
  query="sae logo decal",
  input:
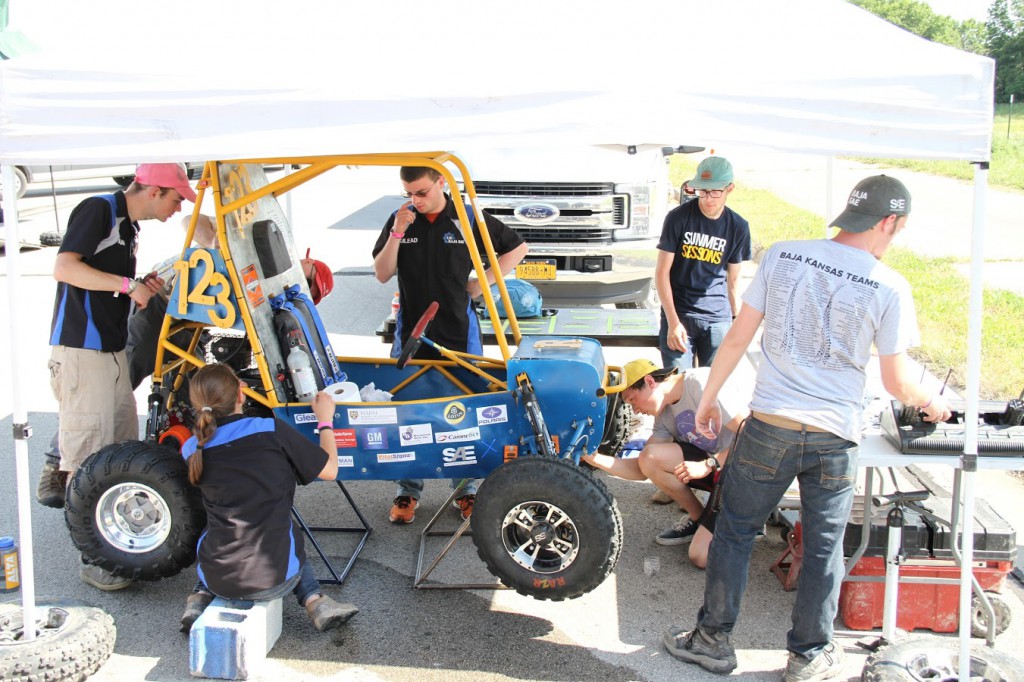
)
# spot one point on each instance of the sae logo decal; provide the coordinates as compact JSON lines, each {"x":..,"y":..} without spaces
{"x":492,"y":414}
{"x":374,"y":439}
{"x":461,"y":456}
{"x":454,"y":413}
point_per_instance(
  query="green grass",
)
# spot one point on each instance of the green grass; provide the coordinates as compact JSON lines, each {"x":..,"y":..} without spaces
{"x":1006,"y":170}
{"x":940,"y":294}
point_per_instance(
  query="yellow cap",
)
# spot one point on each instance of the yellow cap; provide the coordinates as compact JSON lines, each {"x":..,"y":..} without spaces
{"x":637,"y":369}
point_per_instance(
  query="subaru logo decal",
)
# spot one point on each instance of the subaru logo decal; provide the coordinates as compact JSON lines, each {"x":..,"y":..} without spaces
{"x":536,"y":214}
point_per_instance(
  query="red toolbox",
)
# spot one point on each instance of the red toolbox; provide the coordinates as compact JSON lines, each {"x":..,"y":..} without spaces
{"x":933,"y":607}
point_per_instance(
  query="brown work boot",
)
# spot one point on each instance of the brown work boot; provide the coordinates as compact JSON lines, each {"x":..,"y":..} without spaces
{"x":404,"y":509}
{"x":194,"y":607}
{"x":52,"y":484}
{"x":327,"y":613}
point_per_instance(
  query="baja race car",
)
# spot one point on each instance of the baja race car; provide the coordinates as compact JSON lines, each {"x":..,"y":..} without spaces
{"x":542,"y":524}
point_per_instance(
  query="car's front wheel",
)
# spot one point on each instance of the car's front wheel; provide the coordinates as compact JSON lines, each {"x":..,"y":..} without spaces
{"x":132,"y":511}
{"x":546,"y":528}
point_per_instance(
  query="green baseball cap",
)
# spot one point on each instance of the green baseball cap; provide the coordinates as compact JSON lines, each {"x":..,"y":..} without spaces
{"x":714,"y":172}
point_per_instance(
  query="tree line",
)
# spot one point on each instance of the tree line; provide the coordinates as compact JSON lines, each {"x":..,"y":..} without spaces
{"x":1000,"y":37}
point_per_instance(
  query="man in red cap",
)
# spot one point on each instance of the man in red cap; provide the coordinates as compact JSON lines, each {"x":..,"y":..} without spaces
{"x":96,"y":286}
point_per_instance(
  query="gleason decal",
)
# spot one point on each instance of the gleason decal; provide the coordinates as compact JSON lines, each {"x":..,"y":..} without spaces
{"x":460,"y":435}
{"x":416,"y":434}
{"x":305,"y":418}
{"x":387,"y":457}
{"x":454,"y":413}
{"x":492,"y":414}
{"x":460,"y":456}
{"x":373,"y":415}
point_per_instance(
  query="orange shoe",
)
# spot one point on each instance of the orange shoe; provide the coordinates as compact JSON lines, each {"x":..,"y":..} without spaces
{"x":404,"y":509}
{"x":465,"y":505}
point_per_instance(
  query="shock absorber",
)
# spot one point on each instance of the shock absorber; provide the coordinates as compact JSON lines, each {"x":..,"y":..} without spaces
{"x":536,"y":419}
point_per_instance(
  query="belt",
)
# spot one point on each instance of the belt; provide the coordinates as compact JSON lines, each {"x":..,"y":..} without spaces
{"x":786,"y":423}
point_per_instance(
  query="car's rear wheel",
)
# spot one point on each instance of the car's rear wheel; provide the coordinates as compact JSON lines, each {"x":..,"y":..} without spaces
{"x":546,"y":528}
{"x":132,"y":511}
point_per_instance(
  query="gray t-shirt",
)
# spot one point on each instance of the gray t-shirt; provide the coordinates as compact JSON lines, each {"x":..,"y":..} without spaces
{"x":824,"y":305}
{"x":676,"y":422}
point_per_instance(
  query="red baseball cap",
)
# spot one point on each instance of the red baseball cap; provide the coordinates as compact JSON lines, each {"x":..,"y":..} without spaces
{"x":167,"y":176}
{"x":321,"y":276}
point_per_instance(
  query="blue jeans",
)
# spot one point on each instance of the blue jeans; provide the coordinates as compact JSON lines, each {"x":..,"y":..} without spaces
{"x":703,"y":337}
{"x":764,"y":461}
{"x":413,"y":487}
{"x":302,"y":585}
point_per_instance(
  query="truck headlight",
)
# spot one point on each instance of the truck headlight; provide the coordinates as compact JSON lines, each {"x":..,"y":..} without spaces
{"x":639,"y":207}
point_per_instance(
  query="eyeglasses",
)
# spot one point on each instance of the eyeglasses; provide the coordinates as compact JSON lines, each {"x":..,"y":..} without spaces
{"x":421,"y":194}
{"x":713,"y":193}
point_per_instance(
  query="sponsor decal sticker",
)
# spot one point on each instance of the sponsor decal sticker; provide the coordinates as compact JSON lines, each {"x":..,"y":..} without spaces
{"x":373,"y":415}
{"x":346,"y":461}
{"x":454,"y":413}
{"x":375,"y":438}
{"x":460,"y":435}
{"x":492,"y":414}
{"x":416,"y":434}
{"x":345,"y":438}
{"x":305,"y":418}
{"x":387,"y":457}
{"x":460,"y":456}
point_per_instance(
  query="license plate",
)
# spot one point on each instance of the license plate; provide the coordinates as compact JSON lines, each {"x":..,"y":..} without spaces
{"x":536,"y":270}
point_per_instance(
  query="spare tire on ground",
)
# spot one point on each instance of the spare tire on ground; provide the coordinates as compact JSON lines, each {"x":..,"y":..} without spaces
{"x":72,"y":640}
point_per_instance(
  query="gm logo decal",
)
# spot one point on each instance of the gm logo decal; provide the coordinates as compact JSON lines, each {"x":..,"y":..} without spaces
{"x":454,"y":413}
{"x":536,"y":213}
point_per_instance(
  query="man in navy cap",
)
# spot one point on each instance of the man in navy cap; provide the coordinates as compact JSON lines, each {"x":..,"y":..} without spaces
{"x":702,"y":245}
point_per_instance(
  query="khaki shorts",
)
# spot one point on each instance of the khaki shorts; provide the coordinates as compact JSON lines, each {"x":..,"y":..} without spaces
{"x":97,"y":405}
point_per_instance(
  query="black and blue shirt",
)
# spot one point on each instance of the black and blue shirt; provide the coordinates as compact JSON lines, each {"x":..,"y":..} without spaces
{"x":100,"y":231}
{"x":250,"y":469}
{"x":434,"y":265}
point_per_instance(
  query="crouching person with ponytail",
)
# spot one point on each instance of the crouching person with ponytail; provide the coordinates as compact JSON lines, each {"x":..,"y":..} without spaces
{"x":246,"y":469}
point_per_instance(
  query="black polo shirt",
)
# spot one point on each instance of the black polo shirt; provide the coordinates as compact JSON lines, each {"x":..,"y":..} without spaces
{"x":250,"y":469}
{"x":434,"y":265}
{"x":96,"y":320}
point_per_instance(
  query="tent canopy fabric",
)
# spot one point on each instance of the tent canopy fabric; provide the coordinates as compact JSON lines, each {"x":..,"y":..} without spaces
{"x":243,"y":80}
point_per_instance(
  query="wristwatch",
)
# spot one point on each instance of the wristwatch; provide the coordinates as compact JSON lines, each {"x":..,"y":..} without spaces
{"x":713,"y":464}
{"x":132,"y":285}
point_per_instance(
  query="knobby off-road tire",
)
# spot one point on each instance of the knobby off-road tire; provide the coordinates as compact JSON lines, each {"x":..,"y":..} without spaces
{"x":72,"y":641}
{"x":51,"y":238}
{"x":979,"y":618}
{"x":546,"y":528}
{"x":620,"y":424}
{"x":932,"y":658}
{"x":132,"y":511}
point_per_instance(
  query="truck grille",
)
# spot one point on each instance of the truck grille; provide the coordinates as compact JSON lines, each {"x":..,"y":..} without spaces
{"x":538,"y":235}
{"x":531,"y":189}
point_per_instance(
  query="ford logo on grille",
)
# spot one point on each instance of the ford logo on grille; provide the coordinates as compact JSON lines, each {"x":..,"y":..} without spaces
{"x":536,"y":214}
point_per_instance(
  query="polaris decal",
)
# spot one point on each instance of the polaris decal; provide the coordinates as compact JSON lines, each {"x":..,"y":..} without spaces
{"x":388,"y":457}
{"x":416,"y":434}
{"x":454,"y":413}
{"x":460,"y":456}
{"x":373,"y":415}
{"x":492,"y":414}
{"x":461,"y":435}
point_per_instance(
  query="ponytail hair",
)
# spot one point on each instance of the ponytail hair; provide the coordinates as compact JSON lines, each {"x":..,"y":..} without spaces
{"x":213,"y":392}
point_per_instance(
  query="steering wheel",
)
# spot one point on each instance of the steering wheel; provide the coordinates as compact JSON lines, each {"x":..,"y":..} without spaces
{"x":413,"y":343}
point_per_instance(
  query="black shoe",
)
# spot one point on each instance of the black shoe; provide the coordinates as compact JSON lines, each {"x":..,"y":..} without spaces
{"x":194,"y":607}
{"x":680,"y":534}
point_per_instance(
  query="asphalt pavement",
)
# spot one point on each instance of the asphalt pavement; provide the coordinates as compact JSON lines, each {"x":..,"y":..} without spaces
{"x":401,"y":633}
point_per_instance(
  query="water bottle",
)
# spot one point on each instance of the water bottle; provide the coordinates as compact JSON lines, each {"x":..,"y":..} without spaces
{"x":302,"y":374}
{"x":395,"y":303}
{"x":9,"y":561}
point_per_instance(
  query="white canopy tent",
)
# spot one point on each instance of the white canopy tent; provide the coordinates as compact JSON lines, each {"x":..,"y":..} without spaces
{"x":242,"y":80}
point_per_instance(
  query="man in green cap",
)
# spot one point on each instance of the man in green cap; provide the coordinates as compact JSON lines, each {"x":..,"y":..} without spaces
{"x":702,"y":245}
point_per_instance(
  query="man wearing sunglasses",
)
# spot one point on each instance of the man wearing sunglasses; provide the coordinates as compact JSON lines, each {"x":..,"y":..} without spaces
{"x":422,"y":243}
{"x":702,"y":245}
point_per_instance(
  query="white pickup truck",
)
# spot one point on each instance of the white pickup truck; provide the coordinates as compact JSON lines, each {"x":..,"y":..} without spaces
{"x":576,"y":208}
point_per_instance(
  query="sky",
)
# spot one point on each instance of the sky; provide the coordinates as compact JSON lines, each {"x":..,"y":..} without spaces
{"x":961,"y":9}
